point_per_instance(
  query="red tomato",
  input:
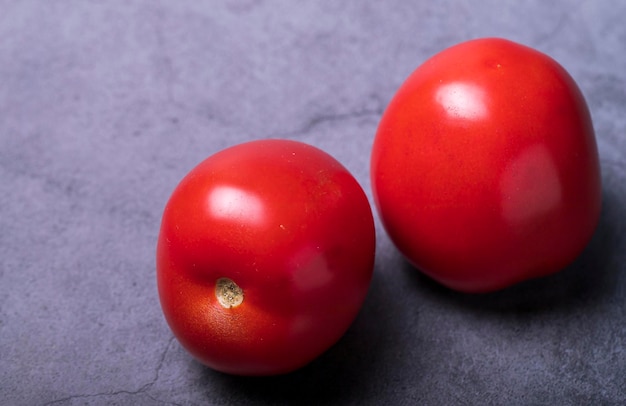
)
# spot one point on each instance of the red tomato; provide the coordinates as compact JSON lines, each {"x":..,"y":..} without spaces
{"x":485,"y":167}
{"x":264,"y":257}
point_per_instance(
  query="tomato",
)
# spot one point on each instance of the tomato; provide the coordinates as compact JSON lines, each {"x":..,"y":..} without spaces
{"x":264,"y":256}
{"x":485,"y":167}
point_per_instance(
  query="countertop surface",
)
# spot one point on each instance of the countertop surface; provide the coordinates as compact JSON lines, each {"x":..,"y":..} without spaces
{"x":105,"y":106}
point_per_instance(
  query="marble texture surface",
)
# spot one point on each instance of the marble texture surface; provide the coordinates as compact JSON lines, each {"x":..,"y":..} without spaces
{"x":104,"y":106}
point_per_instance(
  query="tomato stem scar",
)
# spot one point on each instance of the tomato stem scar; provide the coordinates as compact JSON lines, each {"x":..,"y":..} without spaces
{"x":228,"y":293}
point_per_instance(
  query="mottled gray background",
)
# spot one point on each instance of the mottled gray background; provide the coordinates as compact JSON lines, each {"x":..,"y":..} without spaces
{"x":104,"y":106}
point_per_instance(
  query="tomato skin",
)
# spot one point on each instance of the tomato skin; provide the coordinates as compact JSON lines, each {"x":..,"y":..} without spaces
{"x":485,"y":167}
{"x":292,"y":228}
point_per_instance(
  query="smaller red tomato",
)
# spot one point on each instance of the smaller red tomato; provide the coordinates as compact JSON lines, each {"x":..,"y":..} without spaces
{"x":264,"y":257}
{"x":485,"y":168}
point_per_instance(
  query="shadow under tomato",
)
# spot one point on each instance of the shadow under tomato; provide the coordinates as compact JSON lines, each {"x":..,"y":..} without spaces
{"x":588,"y":280}
{"x":344,"y":373}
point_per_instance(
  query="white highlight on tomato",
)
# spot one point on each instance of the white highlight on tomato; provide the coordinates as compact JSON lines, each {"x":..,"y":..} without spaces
{"x":232,"y":203}
{"x":462,"y":100}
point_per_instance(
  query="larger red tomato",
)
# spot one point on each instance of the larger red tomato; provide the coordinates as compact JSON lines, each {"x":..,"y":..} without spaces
{"x":264,"y":257}
{"x":485,"y":167}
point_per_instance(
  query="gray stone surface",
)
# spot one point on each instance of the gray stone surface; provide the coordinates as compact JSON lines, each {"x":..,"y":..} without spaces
{"x":104,"y":106}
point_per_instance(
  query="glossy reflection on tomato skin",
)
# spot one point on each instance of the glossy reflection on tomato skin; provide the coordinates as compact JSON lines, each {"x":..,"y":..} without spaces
{"x":485,"y":168}
{"x":236,"y":204}
{"x":462,"y":101}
